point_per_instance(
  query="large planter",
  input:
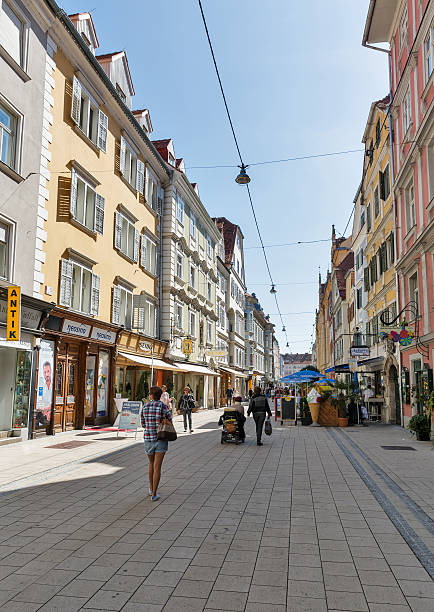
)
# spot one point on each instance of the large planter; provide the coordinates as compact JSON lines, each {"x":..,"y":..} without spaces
{"x":342,"y":421}
{"x":423,"y":436}
{"x":314,"y":412}
{"x":306,"y":421}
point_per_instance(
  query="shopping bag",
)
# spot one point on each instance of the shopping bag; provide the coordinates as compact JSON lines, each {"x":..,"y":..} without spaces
{"x":166,"y":431}
{"x":267,"y":428}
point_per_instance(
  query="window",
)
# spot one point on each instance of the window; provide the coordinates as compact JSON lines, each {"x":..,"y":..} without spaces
{"x":429,"y":52}
{"x":180,"y":208}
{"x":122,"y":306}
{"x":378,"y":133}
{"x":193,"y":276}
{"x":87,"y":116}
{"x":4,"y":250}
{"x":192,"y":324}
{"x":376,"y":203}
{"x":209,"y":291}
{"x":209,"y":247}
{"x":403,"y":31}
{"x":371,"y":152}
{"x":373,"y":270}
{"x":132,"y":168}
{"x":179,"y":316}
{"x":86,"y":206}
{"x":359,"y":299}
{"x":338,"y":318}
{"x":431,"y":171}
{"x":384,"y":183}
{"x":406,"y":112}
{"x":413,"y":289}
{"x":362,"y":218}
{"x":368,"y":218}
{"x":12,"y":33}
{"x":209,"y":332}
{"x":8,"y":137}
{"x":127,"y":238}
{"x":154,"y":195}
{"x":391,"y":245}
{"x":410,"y":210}
{"x":148,"y":254}
{"x":180,"y":264}
{"x":192,"y":225}
{"x":147,"y":322}
{"x":375,"y":329}
{"x":79,"y":287}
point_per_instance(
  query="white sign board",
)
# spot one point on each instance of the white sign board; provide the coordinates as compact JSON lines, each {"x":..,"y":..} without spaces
{"x":130,"y":416}
{"x":76,"y":329}
{"x":103,"y":335}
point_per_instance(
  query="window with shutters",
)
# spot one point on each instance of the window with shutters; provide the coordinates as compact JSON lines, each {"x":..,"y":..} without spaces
{"x":152,"y":192}
{"x":86,"y":206}
{"x":371,"y":152}
{"x":377,"y":133}
{"x":368,"y":334}
{"x":132,"y":168}
{"x":8,"y":137}
{"x":429,"y":52}
{"x":148,"y":255}
{"x":5,"y":249}
{"x":403,"y":31}
{"x":362,"y":218}
{"x":410,"y":210}
{"x":147,"y":322}
{"x":12,"y":32}
{"x":127,"y":238}
{"x":374,"y":323}
{"x":384,"y":178}
{"x":376,"y":203}
{"x":359,"y":299}
{"x":368,"y":218}
{"x":391,"y":249}
{"x":79,"y":287}
{"x":87,"y":115}
{"x":122,"y":306}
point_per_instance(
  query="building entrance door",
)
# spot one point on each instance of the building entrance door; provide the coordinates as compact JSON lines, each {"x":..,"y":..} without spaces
{"x":66,"y":394}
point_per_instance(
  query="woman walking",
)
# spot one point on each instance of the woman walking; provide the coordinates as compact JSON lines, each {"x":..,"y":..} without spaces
{"x":185,"y":405}
{"x":152,"y":413}
{"x":259,"y":407}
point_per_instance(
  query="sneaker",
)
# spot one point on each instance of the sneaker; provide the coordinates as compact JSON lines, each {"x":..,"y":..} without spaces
{"x":150,"y":491}
{"x":155,"y":497}
{"x":259,"y":444}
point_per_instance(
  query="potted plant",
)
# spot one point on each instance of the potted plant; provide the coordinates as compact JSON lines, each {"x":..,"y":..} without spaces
{"x":340,"y":404}
{"x":421,"y":425}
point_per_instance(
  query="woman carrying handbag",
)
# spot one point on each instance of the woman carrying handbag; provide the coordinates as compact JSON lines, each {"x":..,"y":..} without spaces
{"x":157,"y":431}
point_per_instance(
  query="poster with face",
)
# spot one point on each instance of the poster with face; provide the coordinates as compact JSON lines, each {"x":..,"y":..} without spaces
{"x":45,"y":384}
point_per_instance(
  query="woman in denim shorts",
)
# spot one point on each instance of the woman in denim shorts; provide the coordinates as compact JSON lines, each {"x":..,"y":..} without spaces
{"x":153,"y":412}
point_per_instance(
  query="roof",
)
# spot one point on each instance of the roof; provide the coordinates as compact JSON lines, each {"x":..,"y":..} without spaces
{"x":86,"y":15}
{"x":297,"y":358}
{"x":123,"y":55}
{"x":381,"y":105}
{"x":229,"y":231}
{"x":341,"y":272}
{"x":162,"y":147}
{"x":379,"y":21}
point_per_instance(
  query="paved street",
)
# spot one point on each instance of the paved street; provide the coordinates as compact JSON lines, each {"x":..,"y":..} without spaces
{"x":317,"y":519}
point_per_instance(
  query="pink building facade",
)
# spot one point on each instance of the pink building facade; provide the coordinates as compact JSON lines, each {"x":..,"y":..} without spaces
{"x":408,"y":28}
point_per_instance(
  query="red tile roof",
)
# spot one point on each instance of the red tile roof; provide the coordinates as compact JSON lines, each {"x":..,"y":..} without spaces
{"x":229,"y":232}
{"x":341,"y":271}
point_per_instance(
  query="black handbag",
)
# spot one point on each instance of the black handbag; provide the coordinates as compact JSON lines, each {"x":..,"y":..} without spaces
{"x":166,"y":431}
{"x":268,"y":428}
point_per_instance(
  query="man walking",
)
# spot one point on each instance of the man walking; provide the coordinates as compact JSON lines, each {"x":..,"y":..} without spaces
{"x":185,"y":405}
{"x":259,"y":407}
{"x":229,"y":395}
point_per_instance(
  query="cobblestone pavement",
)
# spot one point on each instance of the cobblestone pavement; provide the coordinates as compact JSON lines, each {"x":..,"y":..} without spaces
{"x":316,"y":519}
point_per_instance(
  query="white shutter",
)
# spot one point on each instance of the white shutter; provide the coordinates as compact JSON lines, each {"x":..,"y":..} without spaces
{"x":141,"y":318}
{"x":136,"y":245}
{"x":116,"y":305}
{"x":140,"y":176}
{"x":102,"y":131}
{"x":122,"y":158}
{"x":143,"y":246}
{"x":118,"y":230}
{"x":94,"y":297}
{"x":99,"y":213}
{"x":76,"y":100}
{"x":147,"y":185}
{"x":73,"y":195}
{"x":65,"y":294}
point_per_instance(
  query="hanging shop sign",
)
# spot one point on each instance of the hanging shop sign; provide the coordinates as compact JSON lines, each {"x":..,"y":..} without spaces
{"x":216,"y":353}
{"x":187,"y":346}
{"x":359,"y":351}
{"x":13,"y":314}
{"x":76,"y":329}
{"x":104,"y":335}
{"x":352,"y":364}
{"x":400,"y":333}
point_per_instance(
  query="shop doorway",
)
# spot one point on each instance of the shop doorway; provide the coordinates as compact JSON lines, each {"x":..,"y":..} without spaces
{"x":395,"y":403}
{"x":66,"y":394}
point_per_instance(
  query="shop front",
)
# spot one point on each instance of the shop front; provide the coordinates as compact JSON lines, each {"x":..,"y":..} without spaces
{"x":201,"y":381}
{"x":80,"y":353}
{"x":232,"y":379}
{"x":18,"y":360}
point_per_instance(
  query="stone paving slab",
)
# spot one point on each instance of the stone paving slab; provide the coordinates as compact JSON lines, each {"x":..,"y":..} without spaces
{"x":292,"y":525}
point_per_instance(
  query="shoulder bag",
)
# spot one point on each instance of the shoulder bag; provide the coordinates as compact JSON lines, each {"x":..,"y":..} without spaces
{"x":166,"y":431}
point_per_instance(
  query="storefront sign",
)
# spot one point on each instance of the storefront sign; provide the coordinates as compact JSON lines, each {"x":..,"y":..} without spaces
{"x":75,"y":328}
{"x":216,"y":353}
{"x":103,"y":335}
{"x":359,"y":351}
{"x":29,"y":318}
{"x":146,"y":346}
{"x":45,"y":384}
{"x":13,"y":314}
{"x":187,"y":346}
{"x":130,"y":416}
{"x":352,"y":364}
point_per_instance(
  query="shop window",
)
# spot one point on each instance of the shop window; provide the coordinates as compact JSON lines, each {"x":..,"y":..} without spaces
{"x":131,"y":167}
{"x":8,"y":137}
{"x":410,"y":210}
{"x":88,"y":116}
{"x":86,"y":206}
{"x":122,"y":306}
{"x":90,"y":386}
{"x":102,"y":384}
{"x":5,"y":239}
{"x":148,"y":254}
{"x":22,"y":389}
{"x":79,"y":287}
{"x":127,"y":238}
{"x":12,"y":32}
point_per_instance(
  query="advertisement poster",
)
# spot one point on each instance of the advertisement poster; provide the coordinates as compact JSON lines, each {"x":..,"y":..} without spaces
{"x":44,"y":397}
{"x":130,"y":416}
{"x":101,"y":402}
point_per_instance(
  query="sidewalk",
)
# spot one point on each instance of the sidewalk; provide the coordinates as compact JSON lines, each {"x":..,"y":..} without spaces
{"x":315,"y":520}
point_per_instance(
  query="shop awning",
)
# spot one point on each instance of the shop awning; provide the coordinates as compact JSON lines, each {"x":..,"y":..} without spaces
{"x":195,"y":369}
{"x":233,"y":372}
{"x":147,"y":361}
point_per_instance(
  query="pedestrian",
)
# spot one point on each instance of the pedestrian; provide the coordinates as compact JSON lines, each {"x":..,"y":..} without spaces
{"x":153,"y":412}
{"x":229,"y":395}
{"x":250,"y":394}
{"x":238,"y":406}
{"x":185,"y":405}
{"x":259,"y":407}
{"x":165,"y":397}
{"x":352,"y":412}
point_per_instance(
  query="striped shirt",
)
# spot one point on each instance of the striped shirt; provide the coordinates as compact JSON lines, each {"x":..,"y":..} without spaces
{"x":152,"y":413}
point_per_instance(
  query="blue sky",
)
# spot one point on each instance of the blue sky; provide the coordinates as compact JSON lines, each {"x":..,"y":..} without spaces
{"x":297,"y":81}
